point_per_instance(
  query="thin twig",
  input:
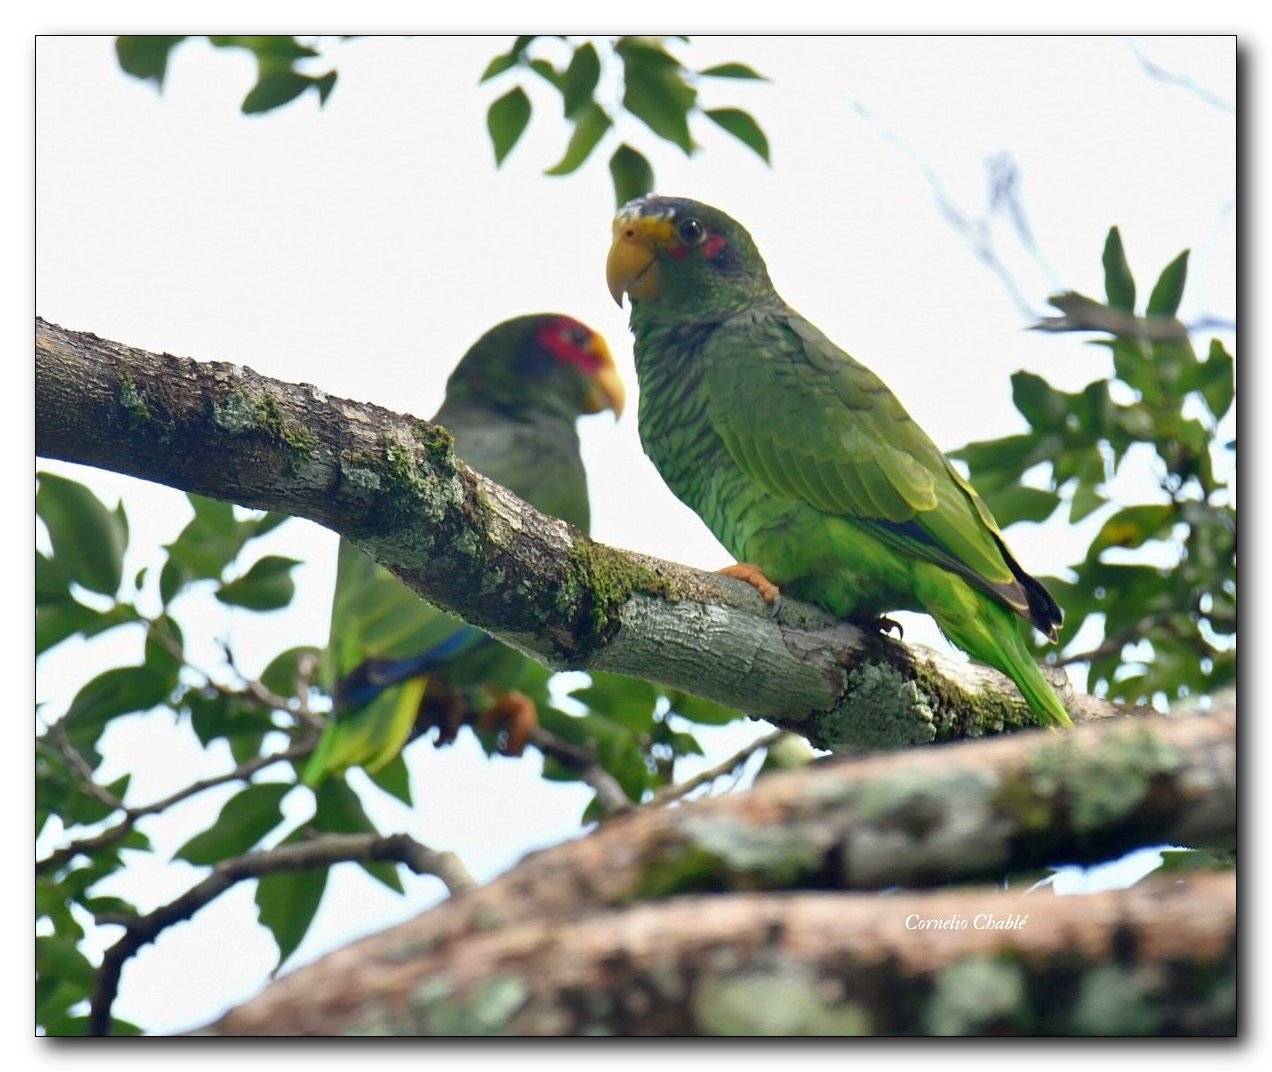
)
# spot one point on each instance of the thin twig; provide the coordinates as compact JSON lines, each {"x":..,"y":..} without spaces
{"x":682,"y":789}
{"x":57,"y":734}
{"x":89,"y":845}
{"x":609,"y":793}
{"x":302,"y":856}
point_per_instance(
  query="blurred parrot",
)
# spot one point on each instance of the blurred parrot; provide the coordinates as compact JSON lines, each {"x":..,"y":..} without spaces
{"x":395,"y":664}
{"x":799,"y":459}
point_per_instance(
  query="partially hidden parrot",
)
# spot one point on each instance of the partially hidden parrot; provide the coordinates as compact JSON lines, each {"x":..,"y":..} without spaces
{"x":395,"y":664}
{"x":800,"y":459}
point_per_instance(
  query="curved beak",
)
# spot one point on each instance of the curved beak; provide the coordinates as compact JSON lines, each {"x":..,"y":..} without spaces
{"x":606,"y":390}
{"x":632,"y":267}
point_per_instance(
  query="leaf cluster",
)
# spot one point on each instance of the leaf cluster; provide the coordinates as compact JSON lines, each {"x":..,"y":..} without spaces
{"x":1157,"y":583}
{"x":603,"y":85}
{"x":634,"y":731}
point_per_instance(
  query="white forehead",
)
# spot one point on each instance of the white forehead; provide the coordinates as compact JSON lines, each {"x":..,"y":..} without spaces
{"x":641,"y":208}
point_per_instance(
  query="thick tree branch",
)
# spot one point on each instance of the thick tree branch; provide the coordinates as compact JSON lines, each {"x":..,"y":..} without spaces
{"x":1156,"y":959}
{"x":393,"y":485}
{"x":563,"y":918}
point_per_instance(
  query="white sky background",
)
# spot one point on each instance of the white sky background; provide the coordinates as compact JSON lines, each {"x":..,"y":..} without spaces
{"x":365,"y":246}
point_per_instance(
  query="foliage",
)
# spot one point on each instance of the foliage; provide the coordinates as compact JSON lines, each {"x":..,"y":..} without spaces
{"x":1152,"y":604}
{"x":654,"y":88}
{"x":268,"y":727}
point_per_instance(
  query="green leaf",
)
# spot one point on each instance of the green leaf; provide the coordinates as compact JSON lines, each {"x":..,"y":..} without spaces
{"x":1040,"y":403}
{"x":394,"y":778}
{"x":579,"y":80}
{"x":590,"y":126}
{"x":276,"y":48}
{"x":52,"y":581}
{"x":743,"y":127}
{"x":267,"y":522}
{"x":548,"y":73}
{"x":704,"y":712}
{"x":246,"y":818}
{"x":503,"y":62}
{"x":287,"y":901}
{"x":1086,"y":496}
{"x":87,"y":538}
{"x":1133,"y":526}
{"x":266,"y":586}
{"x":1018,"y":502}
{"x":118,"y":691}
{"x":506,"y":121}
{"x":146,"y":56}
{"x":1216,"y":381}
{"x":1119,"y":286}
{"x":213,"y":716}
{"x":631,"y":173}
{"x":277,"y":86}
{"x":55,"y":622}
{"x":281,"y":675}
{"x":732,"y":70}
{"x":1168,"y":291}
{"x":625,"y":700}
{"x":339,"y":811}
{"x":995,"y":461}
{"x":658,"y":96}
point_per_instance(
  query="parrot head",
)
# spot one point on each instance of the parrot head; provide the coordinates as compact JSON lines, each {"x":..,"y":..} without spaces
{"x":675,"y":254}
{"x":547,"y":361}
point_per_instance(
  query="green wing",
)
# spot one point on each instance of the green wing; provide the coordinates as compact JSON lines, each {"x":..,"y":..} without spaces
{"x":807,"y":421}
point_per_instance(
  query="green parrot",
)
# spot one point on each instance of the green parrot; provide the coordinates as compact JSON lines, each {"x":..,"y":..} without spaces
{"x":395,"y":663}
{"x":798,"y":457}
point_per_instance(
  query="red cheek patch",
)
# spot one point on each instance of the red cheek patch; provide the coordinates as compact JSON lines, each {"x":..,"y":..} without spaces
{"x":678,"y":253}
{"x":713,"y":245}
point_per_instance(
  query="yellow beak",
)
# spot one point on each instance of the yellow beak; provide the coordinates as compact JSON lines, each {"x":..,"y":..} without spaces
{"x":631,"y":267}
{"x":606,"y":390}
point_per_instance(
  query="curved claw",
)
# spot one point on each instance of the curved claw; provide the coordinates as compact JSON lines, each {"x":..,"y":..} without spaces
{"x":881,"y":624}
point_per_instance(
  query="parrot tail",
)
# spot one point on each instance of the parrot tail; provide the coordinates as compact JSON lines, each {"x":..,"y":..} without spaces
{"x":991,"y":633}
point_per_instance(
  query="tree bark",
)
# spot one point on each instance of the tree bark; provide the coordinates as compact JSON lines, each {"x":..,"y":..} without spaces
{"x":392,"y":484}
{"x":738,"y":934}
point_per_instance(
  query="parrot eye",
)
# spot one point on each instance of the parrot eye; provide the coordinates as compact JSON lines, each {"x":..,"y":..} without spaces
{"x":578,"y":336}
{"x":691,"y":232}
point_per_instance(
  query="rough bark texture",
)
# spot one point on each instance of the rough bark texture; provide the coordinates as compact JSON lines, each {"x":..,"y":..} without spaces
{"x":562,"y":944}
{"x":392,"y":484}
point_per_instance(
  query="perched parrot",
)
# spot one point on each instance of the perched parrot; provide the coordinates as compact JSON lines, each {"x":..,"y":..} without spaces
{"x":394,"y":662}
{"x":798,"y":457}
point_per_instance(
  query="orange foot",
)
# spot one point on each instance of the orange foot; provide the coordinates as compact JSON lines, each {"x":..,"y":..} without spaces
{"x":513,"y":715}
{"x":754,"y":576}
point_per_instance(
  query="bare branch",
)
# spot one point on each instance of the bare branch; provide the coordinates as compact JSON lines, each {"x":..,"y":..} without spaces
{"x":609,"y":793}
{"x":683,"y":789}
{"x":321,"y":852}
{"x":1080,"y":313}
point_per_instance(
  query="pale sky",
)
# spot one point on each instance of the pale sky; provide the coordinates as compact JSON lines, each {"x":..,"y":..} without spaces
{"x":365,"y":246}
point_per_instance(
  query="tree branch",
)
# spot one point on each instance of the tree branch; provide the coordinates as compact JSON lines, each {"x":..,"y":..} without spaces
{"x":393,"y":485}
{"x":321,"y":852}
{"x":537,"y":935}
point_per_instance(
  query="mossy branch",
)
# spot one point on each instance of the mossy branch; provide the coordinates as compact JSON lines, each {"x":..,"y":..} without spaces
{"x":392,"y":484}
{"x":621,"y":914}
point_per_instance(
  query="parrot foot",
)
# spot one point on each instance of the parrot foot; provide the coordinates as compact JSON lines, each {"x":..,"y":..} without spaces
{"x":881,"y":624}
{"x":513,"y":716}
{"x":754,"y":576}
